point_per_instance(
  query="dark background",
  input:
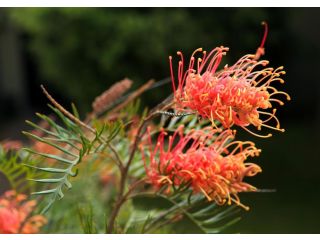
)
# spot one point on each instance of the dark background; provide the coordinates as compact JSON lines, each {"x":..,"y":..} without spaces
{"x":78,"y":52}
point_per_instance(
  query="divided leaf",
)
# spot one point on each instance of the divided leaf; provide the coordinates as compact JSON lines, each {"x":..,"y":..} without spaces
{"x":63,"y":146}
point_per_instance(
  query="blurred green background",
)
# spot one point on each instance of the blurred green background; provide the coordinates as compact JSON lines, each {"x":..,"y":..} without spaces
{"x":79,"y":52}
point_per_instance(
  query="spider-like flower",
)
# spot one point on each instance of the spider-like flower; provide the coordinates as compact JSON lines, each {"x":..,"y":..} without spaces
{"x":15,"y":214}
{"x":207,"y":160}
{"x":236,"y":95}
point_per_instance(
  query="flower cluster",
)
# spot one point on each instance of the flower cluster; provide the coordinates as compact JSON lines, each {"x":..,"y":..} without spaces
{"x":207,"y":160}
{"x":15,"y":214}
{"x":236,"y":95}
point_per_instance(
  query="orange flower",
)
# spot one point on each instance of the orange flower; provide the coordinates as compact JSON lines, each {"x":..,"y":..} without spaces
{"x":239,"y":94}
{"x":15,"y":214}
{"x":207,"y":160}
{"x":11,"y":145}
{"x":9,"y":220}
{"x":45,"y":148}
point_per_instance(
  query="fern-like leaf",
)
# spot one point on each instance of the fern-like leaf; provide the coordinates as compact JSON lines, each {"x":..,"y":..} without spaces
{"x":68,"y":144}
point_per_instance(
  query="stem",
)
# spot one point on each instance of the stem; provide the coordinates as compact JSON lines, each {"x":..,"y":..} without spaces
{"x":66,"y":112}
{"x":79,"y":122}
{"x":121,"y":199}
{"x":124,"y":172}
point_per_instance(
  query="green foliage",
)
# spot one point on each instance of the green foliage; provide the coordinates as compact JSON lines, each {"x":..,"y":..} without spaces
{"x":15,"y":172}
{"x":86,"y":220}
{"x":84,"y":209}
{"x":179,"y":213}
{"x":71,"y":144}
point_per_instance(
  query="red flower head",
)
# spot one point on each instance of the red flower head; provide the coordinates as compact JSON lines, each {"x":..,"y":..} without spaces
{"x":206,"y":159}
{"x":239,"y":94}
{"x":15,"y":214}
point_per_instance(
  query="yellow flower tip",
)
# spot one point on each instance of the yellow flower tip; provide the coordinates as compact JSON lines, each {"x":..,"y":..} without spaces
{"x":282,"y":130}
{"x":288,"y":98}
{"x":269,"y":135}
{"x":240,"y":204}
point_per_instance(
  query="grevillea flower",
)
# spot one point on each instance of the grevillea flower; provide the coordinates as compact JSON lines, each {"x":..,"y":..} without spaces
{"x":206,"y":159}
{"x":236,"y":95}
{"x":15,"y":214}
